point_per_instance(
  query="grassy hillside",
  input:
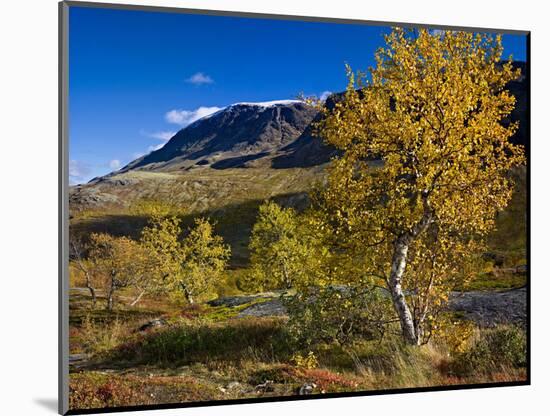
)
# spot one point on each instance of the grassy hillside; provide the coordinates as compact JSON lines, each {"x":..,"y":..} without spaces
{"x":231,"y":198}
{"x":195,"y":190}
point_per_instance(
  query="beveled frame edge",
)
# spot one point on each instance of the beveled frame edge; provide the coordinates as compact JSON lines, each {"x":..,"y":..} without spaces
{"x":63,"y":193}
{"x":321,"y":19}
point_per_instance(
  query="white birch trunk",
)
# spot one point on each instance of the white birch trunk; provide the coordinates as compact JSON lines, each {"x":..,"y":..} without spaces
{"x":412,"y":331}
{"x":399,"y":263}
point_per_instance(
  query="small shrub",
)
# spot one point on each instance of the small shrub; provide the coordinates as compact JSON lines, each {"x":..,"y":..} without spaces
{"x":279,"y":373}
{"x":325,"y":380}
{"x":336,"y":314}
{"x":228,"y":285}
{"x":155,"y":208}
{"x":204,"y":341}
{"x":509,"y":345}
{"x":192,"y":311}
{"x":455,"y":334}
{"x":328,"y":381}
{"x":307,"y":362}
{"x":497,"y":348}
{"x":97,"y":338}
{"x":92,"y":391}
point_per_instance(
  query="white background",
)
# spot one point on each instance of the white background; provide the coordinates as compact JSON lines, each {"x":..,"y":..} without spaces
{"x":28,"y":219}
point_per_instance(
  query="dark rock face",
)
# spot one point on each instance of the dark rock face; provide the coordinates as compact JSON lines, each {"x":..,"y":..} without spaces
{"x":488,"y":309}
{"x":306,"y":151}
{"x":520,"y":89}
{"x":232,"y":137}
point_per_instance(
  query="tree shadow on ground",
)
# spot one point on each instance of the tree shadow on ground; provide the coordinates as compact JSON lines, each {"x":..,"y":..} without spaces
{"x":233,"y":223}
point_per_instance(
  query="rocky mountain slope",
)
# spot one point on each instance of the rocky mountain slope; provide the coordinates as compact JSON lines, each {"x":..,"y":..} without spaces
{"x":520,"y":89}
{"x":241,"y":135}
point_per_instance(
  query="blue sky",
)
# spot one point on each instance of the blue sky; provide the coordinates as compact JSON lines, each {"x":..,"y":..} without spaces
{"x":137,"y":77}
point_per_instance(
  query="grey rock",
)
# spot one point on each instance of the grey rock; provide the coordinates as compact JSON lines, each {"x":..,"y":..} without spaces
{"x":268,"y":308}
{"x":307,"y":388}
{"x":75,"y":358}
{"x":90,"y":196}
{"x":121,"y":181}
{"x":155,"y":323}
{"x":488,"y":309}
{"x":77,"y":361}
{"x":265,"y":387}
{"x":232,"y":301}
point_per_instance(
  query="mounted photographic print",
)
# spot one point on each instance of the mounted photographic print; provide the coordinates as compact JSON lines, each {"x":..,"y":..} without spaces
{"x":264,"y":208}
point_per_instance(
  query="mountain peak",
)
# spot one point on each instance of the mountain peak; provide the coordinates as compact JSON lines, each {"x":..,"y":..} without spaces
{"x":267,"y":104}
{"x":259,"y":105}
{"x":242,"y":134}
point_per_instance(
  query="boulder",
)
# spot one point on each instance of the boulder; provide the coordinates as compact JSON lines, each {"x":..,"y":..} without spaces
{"x":155,"y":323}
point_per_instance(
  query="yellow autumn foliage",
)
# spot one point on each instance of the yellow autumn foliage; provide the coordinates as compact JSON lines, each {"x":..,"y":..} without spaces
{"x":434,"y":112}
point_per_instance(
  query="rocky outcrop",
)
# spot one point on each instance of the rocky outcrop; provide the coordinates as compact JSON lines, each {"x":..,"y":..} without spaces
{"x":486,"y":308}
{"x":272,"y":307}
{"x":90,"y":197}
{"x":155,"y":323}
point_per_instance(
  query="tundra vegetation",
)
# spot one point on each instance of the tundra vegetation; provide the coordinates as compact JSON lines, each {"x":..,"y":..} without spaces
{"x":350,"y":293}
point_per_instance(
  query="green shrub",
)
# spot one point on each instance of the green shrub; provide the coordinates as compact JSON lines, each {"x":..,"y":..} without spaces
{"x":496,"y":348}
{"x":336,"y":314}
{"x":509,"y":345}
{"x":189,"y":342}
{"x":99,"y":338}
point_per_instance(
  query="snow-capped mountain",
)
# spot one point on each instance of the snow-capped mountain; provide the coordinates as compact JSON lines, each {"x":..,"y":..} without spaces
{"x":273,"y":133}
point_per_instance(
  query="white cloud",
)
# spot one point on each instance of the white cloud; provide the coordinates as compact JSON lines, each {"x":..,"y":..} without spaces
{"x":79,"y":172}
{"x":181,"y":117}
{"x":199,"y":79}
{"x":186,"y":117}
{"x":114,"y":164}
{"x":155,"y":147}
{"x":324,"y":95}
{"x":162,"y":135}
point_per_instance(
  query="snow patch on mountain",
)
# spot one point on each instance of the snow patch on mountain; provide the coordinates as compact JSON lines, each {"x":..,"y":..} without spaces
{"x":268,"y":103}
{"x":263,"y":105}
